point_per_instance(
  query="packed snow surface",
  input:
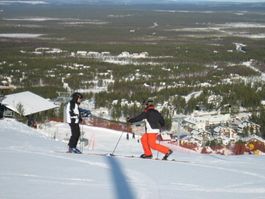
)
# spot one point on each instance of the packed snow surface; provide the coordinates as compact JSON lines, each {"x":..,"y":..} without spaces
{"x":35,"y":166}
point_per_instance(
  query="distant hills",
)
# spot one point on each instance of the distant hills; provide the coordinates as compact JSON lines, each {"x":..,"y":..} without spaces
{"x":131,"y":2}
{"x":214,"y":5}
{"x":128,"y":2}
{"x":151,"y":1}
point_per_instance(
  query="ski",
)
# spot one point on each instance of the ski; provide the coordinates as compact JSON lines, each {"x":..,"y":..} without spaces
{"x":125,"y":156}
{"x":151,"y":159}
{"x":82,"y":153}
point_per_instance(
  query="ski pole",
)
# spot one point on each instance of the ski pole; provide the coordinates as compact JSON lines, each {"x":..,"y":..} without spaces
{"x":157,"y":152}
{"x":82,"y":139}
{"x":112,"y":154}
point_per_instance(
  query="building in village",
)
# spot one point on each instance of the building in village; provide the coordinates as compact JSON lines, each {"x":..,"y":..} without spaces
{"x":25,"y":104}
{"x":202,"y":127}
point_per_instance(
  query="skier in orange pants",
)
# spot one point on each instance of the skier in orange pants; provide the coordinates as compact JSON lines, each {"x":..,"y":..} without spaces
{"x":148,"y":141}
{"x":153,"y":122}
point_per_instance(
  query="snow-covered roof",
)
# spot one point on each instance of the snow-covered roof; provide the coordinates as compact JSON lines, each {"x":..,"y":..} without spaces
{"x":254,"y":137}
{"x":31,"y":103}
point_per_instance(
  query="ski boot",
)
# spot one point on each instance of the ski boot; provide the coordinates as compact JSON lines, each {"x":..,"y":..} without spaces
{"x":74,"y":150}
{"x":146,"y":156}
{"x":167,"y":154}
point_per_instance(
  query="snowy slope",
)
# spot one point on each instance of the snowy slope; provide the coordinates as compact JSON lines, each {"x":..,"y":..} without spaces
{"x":33,"y":166}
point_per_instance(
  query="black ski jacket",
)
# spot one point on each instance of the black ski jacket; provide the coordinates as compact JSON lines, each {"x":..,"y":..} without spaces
{"x":153,"y":120}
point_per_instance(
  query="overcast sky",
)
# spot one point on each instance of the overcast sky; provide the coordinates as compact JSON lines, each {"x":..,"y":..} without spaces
{"x":129,"y":1}
{"x":158,"y":1}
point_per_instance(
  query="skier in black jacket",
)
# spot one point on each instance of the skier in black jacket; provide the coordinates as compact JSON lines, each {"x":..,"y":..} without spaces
{"x":73,"y":119}
{"x":153,"y":123}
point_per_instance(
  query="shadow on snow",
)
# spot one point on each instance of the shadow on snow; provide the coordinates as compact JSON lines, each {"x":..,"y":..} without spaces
{"x":123,"y":189}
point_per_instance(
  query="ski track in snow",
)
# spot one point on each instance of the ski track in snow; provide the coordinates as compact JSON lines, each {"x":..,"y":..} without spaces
{"x":144,"y":182}
{"x":76,"y":158}
{"x":242,"y":172}
{"x":49,"y":179}
{"x":33,"y":160}
{"x":141,"y":180}
{"x":51,"y":154}
{"x":231,"y":189}
{"x":214,"y":166}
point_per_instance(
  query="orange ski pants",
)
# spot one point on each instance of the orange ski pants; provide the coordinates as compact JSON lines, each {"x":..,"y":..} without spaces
{"x":148,"y":141}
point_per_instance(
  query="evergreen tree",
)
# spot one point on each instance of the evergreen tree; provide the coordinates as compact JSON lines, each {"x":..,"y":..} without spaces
{"x":259,"y":118}
{"x":179,"y":104}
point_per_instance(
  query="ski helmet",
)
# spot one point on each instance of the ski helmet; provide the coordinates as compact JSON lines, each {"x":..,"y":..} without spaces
{"x":148,"y":102}
{"x":76,"y":95}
